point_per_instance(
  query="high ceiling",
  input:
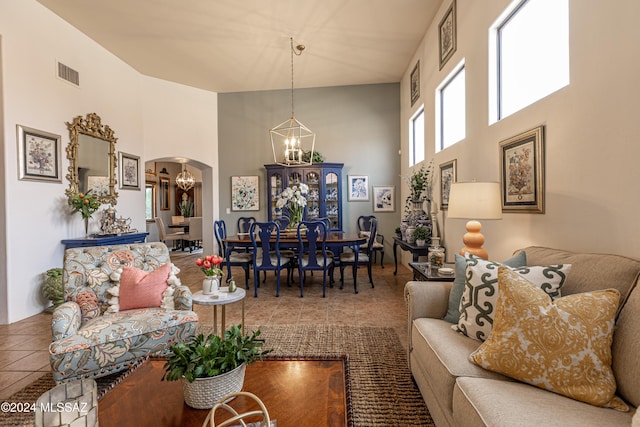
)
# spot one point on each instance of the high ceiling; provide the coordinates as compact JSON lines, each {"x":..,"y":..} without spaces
{"x":243,"y":45}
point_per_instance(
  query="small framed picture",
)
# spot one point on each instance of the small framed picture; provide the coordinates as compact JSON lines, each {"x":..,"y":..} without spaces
{"x":447,"y":34}
{"x":384,"y":198}
{"x":415,"y":83}
{"x":447,"y":177}
{"x":245,"y":193}
{"x":129,"y":171}
{"x":98,"y":185}
{"x":163,"y":189}
{"x":522,"y":172}
{"x":358,"y":187}
{"x":38,"y":155}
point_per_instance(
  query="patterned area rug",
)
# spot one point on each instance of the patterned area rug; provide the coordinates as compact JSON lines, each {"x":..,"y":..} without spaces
{"x":382,"y":391}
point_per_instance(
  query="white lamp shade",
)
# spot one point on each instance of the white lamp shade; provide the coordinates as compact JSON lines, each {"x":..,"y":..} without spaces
{"x":475,"y":200}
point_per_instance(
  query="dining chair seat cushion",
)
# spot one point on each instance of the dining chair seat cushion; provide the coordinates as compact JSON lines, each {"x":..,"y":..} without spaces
{"x":351,"y":257}
{"x":321,"y":261}
{"x":274,"y":260}
{"x":241,"y":257}
{"x":377,"y":245}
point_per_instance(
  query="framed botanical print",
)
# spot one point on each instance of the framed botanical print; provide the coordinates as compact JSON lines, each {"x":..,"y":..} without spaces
{"x":447,"y":34}
{"x":384,"y":198}
{"x":522,"y":172}
{"x":415,"y":83}
{"x":447,"y":177}
{"x":164,"y":193}
{"x":129,"y":171}
{"x":358,"y":187}
{"x":38,"y":155}
{"x":245,"y":193}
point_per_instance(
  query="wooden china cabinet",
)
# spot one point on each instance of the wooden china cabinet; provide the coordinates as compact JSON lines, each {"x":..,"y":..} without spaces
{"x":325,"y":190}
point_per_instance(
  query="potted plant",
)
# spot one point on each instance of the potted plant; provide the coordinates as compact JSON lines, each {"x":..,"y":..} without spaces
{"x":211,"y":367}
{"x":398,"y":233}
{"x":421,"y":234}
{"x":52,"y":288}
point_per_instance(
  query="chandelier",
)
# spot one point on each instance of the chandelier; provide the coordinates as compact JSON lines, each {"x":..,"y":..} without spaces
{"x":298,"y":141}
{"x":185,"y":180}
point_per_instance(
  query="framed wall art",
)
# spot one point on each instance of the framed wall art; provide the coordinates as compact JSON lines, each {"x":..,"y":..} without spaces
{"x":384,"y":198}
{"x":447,"y":177}
{"x":415,"y":83}
{"x":163,"y":189}
{"x":358,"y":187}
{"x":447,"y":34}
{"x":522,"y":172}
{"x":245,"y":193}
{"x":38,"y":155}
{"x":129,"y":171}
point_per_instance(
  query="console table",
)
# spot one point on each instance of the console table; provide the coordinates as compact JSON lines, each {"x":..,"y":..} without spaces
{"x":415,"y":250}
{"x":121,"y":239}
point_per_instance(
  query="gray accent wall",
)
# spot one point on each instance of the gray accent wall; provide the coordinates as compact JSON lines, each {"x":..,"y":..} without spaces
{"x":355,"y":125}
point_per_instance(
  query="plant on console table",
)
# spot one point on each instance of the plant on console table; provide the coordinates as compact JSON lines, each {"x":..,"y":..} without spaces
{"x":210,"y":266}
{"x":295,"y":201}
{"x":420,"y":190}
{"x":421,"y":234}
{"x":212,"y":367}
{"x":86,"y":204}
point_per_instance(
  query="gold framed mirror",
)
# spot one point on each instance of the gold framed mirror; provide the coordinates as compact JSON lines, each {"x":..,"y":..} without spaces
{"x":92,"y":158}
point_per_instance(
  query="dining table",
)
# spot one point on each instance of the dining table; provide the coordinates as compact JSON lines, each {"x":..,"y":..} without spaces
{"x":336,"y":242}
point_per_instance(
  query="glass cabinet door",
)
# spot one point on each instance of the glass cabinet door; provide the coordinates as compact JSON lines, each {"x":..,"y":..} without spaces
{"x":313,"y":198}
{"x":295,"y":178}
{"x":331,"y":199}
{"x":276,"y":187}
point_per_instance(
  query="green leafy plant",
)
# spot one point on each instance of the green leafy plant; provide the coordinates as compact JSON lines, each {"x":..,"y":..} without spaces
{"x":52,"y":288}
{"x":317,"y":157}
{"x":205,"y":357}
{"x":85,"y":203}
{"x":186,"y":208}
{"x":421,"y":233}
{"x":420,"y":183}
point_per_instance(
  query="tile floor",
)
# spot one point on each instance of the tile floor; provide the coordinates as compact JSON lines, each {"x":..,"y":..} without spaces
{"x":23,"y":345}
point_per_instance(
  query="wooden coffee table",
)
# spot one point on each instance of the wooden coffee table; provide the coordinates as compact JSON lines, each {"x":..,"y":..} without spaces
{"x":296,"y":392}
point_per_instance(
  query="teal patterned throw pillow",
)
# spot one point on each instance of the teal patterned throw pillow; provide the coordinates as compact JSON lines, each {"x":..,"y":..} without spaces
{"x":480,"y":294}
{"x":453,"y":311}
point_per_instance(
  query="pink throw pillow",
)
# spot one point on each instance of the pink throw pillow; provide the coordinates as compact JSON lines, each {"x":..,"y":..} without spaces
{"x":141,"y":289}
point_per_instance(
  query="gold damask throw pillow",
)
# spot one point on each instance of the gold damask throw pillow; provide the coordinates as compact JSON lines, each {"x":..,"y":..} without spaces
{"x":562,"y":346}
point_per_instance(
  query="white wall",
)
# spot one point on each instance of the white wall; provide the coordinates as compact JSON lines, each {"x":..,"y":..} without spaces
{"x":591,"y":130}
{"x":35,"y":214}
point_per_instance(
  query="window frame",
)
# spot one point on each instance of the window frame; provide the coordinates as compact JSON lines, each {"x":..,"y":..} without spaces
{"x":420,"y":112}
{"x":439,"y":102}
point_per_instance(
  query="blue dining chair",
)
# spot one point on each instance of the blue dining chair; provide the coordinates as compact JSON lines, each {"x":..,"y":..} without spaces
{"x":312,"y":252}
{"x":267,"y":255}
{"x":364,"y":227}
{"x":233,"y":259}
{"x":364,"y":258}
{"x":244,"y":224}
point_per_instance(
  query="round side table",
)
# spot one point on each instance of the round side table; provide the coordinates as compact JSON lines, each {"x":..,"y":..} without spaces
{"x":223,"y":298}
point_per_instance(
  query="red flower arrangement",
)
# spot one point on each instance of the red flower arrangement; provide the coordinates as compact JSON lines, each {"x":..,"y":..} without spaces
{"x":210,"y":265}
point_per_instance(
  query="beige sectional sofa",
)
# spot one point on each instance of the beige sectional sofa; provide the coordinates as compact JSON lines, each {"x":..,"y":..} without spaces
{"x":459,"y":393}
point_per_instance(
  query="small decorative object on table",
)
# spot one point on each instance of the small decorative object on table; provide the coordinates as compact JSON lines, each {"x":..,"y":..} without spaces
{"x":232,"y":286}
{"x":213,"y":367}
{"x":436,"y":257}
{"x":295,"y":201}
{"x":86,"y":204}
{"x":52,"y":288}
{"x":210,"y":266}
{"x":421,"y":234}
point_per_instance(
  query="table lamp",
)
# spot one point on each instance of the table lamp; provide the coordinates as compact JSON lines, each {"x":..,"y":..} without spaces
{"x":474,"y":201}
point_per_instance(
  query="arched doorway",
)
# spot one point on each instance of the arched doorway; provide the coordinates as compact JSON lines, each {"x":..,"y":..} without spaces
{"x":165,"y":199}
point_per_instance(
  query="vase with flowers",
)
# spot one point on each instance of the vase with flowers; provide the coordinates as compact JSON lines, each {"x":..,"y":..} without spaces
{"x":293,"y":198}
{"x":420,"y":189}
{"x":86,"y":204}
{"x":210,"y":266}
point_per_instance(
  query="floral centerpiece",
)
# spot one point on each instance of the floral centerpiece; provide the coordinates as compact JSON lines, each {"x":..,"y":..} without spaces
{"x":86,"y":204}
{"x":295,"y":201}
{"x":210,"y":265}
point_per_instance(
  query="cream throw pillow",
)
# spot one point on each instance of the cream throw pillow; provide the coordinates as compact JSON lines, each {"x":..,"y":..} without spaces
{"x":562,"y":346}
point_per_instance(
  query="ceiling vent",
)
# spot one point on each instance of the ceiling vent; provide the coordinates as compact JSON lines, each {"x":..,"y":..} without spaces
{"x":68,"y":74}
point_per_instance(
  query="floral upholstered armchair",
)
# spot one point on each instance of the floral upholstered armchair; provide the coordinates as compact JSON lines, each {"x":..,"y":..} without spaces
{"x":96,"y":332}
